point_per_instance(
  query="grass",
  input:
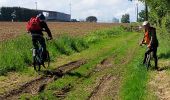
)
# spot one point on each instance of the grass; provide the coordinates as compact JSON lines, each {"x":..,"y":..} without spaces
{"x":79,"y":77}
{"x":95,"y":47}
{"x":84,"y":87}
{"x":135,"y":79}
{"x":163,"y":56}
{"x":16,"y":53}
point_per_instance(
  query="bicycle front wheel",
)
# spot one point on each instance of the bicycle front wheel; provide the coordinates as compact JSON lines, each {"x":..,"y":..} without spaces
{"x":148,"y":60}
{"x":36,"y":63}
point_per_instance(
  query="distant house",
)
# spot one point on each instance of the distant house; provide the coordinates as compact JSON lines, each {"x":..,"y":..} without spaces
{"x":57,"y":16}
{"x":24,"y":14}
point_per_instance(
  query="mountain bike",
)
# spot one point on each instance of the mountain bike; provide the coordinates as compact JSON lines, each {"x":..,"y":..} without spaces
{"x":38,"y":58}
{"x":148,"y":60}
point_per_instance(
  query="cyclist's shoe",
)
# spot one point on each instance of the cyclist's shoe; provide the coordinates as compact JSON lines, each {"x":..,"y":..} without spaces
{"x":157,"y":68}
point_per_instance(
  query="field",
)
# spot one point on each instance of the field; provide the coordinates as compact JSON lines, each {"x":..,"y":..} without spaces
{"x":89,"y":61}
{"x":12,"y":30}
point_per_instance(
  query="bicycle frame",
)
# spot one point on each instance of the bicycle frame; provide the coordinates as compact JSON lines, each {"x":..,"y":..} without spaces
{"x":148,"y":60}
{"x":37,"y":58}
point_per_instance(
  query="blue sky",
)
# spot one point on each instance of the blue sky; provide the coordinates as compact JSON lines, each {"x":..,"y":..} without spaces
{"x":105,"y":10}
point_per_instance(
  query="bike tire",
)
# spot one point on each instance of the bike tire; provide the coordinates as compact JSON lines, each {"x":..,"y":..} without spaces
{"x":148,"y":59}
{"x":48,"y":59}
{"x":36,"y":63}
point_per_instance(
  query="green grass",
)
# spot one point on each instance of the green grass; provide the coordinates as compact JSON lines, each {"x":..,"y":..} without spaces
{"x":84,"y":87}
{"x":95,"y":47}
{"x":135,"y":79}
{"x":16,"y":54}
{"x":96,"y":53}
{"x":163,"y":56}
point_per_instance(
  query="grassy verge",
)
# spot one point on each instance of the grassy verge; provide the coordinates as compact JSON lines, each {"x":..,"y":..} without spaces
{"x":163,"y":60}
{"x":79,"y":78}
{"x":135,"y":79}
{"x":84,"y":87}
{"x":16,"y":53}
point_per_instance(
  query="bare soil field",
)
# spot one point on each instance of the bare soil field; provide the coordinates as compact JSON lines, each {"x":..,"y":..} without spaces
{"x":10,"y":30}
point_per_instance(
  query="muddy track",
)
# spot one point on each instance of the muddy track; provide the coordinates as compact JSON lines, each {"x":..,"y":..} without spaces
{"x":160,"y":82}
{"x":105,"y":83}
{"x":105,"y":63}
{"x":101,"y":88}
{"x":61,"y":94}
{"x":38,"y":85}
{"x":109,"y":85}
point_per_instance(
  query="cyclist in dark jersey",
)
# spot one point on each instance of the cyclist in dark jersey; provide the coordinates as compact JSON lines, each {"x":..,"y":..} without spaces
{"x":37,"y":36}
{"x":150,"y":39}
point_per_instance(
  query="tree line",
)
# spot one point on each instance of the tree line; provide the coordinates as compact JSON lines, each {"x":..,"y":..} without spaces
{"x":159,"y":13}
{"x":16,"y":13}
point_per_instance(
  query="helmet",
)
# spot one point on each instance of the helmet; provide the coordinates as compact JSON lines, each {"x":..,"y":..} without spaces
{"x":145,"y":23}
{"x":41,"y":17}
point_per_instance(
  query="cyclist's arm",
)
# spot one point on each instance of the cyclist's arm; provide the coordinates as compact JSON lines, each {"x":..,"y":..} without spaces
{"x":45,"y":27}
{"x":143,"y":40}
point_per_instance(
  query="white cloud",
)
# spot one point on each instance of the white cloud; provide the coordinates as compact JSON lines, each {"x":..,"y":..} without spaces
{"x":104,"y":9}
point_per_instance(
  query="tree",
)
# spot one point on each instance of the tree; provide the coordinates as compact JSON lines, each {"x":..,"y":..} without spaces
{"x":91,"y":19}
{"x":17,"y":13}
{"x":142,"y":16}
{"x":158,"y":9}
{"x":125,"y":18}
{"x":146,"y":8}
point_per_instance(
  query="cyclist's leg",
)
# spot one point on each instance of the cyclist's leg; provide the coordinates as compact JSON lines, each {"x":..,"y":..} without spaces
{"x":146,"y":53}
{"x":43,"y":45}
{"x":35,"y":47}
{"x":155,"y":57}
{"x":35,"y":43}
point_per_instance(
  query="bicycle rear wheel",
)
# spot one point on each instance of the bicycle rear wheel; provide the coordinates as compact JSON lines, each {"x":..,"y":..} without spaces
{"x":48,"y":59}
{"x":36,"y":63}
{"x":148,"y":59}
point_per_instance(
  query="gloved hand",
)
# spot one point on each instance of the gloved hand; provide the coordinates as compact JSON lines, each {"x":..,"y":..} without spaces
{"x":149,"y":46}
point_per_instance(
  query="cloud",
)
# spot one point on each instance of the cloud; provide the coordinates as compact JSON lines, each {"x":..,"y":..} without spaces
{"x":104,"y":9}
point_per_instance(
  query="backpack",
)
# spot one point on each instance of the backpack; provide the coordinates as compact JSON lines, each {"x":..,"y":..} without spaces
{"x":34,"y":24}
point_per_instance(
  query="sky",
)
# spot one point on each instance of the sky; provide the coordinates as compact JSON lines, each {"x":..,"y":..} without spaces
{"x":104,"y":10}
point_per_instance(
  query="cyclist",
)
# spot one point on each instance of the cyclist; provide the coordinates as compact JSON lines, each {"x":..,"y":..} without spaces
{"x":37,"y":32}
{"x":150,"y":39}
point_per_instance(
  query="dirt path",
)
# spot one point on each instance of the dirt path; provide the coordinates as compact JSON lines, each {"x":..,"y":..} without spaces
{"x":109,"y":85}
{"x":103,"y":86}
{"x":105,"y":82}
{"x":38,"y":85}
{"x":160,"y":82}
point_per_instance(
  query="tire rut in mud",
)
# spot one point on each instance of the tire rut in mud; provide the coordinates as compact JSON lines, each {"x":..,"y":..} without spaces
{"x":105,"y":82}
{"x":38,"y":85}
{"x":109,"y":85}
{"x":105,"y":63}
{"x":101,"y":88}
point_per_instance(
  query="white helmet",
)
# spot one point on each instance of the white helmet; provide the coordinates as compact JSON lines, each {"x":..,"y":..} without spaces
{"x":145,"y":23}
